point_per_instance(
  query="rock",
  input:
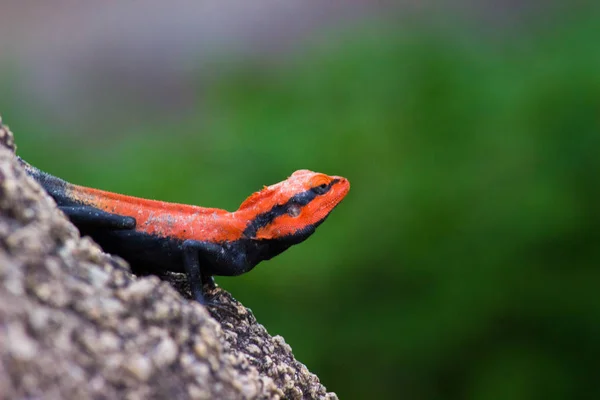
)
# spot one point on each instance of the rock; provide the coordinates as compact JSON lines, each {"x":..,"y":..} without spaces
{"x":75,"y":323}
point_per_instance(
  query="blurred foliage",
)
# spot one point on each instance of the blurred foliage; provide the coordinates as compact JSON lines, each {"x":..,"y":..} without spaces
{"x":464,"y":263}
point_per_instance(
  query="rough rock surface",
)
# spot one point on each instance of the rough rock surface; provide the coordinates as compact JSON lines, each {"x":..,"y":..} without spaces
{"x":76,"y":324}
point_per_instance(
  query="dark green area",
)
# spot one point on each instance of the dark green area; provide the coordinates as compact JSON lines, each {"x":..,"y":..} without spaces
{"x":464,"y":263}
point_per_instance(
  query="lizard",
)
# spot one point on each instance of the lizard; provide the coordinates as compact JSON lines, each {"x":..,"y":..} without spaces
{"x":198,"y":241}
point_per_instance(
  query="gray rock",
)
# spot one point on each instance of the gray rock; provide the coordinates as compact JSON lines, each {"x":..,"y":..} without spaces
{"x":75,"y":323}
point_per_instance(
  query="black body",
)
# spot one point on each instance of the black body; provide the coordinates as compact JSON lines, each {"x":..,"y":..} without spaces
{"x":150,"y":254}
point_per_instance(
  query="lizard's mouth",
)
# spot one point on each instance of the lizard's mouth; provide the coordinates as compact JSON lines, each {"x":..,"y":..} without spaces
{"x":324,"y":204}
{"x":339,"y":190}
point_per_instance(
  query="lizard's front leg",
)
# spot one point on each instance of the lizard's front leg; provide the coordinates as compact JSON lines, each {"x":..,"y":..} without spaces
{"x":93,"y":217}
{"x":193,"y":252}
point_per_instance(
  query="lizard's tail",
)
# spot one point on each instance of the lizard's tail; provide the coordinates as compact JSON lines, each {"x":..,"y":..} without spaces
{"x":55,"y":187}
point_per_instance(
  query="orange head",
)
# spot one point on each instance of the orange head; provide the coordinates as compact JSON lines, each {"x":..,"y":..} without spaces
{"x":292,"y":209}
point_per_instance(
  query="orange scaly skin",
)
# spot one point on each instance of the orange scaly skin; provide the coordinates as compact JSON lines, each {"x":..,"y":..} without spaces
{"x":157,"y":236}
{"x":184,"y":221}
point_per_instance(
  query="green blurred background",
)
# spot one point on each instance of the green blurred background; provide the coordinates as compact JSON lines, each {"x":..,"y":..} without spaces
{"x":464,"y":263}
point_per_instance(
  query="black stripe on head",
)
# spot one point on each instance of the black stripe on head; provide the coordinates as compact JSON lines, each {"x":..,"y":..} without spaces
{"x":298,"y":200}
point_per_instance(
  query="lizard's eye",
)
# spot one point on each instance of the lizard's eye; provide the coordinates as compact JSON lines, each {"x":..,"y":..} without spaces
{"x":321,"y":189}
{"x":294,"y":210}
